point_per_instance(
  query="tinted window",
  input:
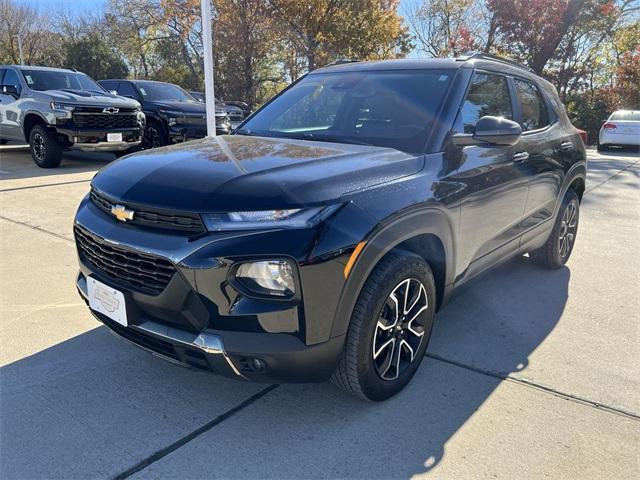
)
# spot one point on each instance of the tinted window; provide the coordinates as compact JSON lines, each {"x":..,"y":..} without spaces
{"x":126,"y":89}
{"x":163,"y":91}
{"x":59,"y":80}
{"x":109,"y":84}
{"x":488,"y":95}
{"x":11,"y":78}
{"x":625,"y":115}
{"x":534,"y":110}
{"x":394,"y":109}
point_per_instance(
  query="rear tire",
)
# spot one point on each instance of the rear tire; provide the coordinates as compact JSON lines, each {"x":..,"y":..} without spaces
{"x":558,"y":247}
{"x":386,"y":342}
{"x":46,"y":151}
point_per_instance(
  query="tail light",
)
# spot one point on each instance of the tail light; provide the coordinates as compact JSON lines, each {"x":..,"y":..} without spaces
{"x":609,"y":126}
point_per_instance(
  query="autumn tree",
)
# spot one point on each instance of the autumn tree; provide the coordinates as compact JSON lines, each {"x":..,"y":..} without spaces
{"x":445,"y":28}
{"x":246,"y":47}
{"x":324,"y":30}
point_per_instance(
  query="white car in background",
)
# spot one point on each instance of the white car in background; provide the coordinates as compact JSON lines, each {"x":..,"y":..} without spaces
{"x":622,"y":128}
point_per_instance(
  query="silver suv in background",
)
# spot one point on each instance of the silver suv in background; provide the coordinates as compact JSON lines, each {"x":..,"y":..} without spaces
{"x":55,"y":109}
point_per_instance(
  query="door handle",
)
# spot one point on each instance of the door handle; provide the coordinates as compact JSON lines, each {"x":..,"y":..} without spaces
{"x":566,"y":146}
{"x":521,"y":157}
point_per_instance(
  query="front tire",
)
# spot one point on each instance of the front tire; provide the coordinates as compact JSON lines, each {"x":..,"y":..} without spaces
{"x":46,"y":151}
{"x":558,"y":247}
{"x":389,"y":329}
{"x":154,"y":136}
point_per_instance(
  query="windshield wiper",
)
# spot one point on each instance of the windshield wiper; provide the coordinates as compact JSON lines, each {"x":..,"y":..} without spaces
{"x":246,"y":132}
{"x":329,"y":138}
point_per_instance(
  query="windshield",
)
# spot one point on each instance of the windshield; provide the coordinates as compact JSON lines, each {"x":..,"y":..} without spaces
{"x":58,"y":80}
{"x":394,"y":109}
{"x":156,"y":91}
{"x":626,"y":115}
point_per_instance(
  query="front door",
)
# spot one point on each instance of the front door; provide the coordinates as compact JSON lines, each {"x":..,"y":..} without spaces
{"x":492,"y":183}
{"x":9,"y":108}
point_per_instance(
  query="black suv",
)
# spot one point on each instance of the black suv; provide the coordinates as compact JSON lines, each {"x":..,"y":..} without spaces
{"x":321,"y":238}
{"x":54,"y":109}
{"x":173,"y":115}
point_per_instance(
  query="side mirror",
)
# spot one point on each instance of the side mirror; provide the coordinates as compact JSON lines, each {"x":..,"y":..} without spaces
{"x":10,"y":90}
{"x":491,"y":130}
{"x":113,"y":92}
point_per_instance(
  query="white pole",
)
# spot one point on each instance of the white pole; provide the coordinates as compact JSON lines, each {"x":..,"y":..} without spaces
{"x":208,"y":67}
{"x":19,"y":37}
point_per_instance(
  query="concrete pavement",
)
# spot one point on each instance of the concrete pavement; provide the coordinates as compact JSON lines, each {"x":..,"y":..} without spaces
{"x":529,"y":374}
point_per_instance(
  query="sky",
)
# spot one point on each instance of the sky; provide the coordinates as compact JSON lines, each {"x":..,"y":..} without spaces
{"x":80,"y":6}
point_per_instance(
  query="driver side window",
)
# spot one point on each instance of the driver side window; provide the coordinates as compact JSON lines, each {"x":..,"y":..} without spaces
{"x":488,"y":95}
{"x":11,"y":78}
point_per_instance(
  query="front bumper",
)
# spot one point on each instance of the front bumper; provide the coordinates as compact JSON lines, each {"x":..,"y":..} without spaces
{"x":281,"y":358}
{"x":92,"y":140}
{"x":200,"y":319}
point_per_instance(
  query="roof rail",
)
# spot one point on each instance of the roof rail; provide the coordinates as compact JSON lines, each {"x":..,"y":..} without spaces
{"x":342,"y":61}
{"x":495,"y":58}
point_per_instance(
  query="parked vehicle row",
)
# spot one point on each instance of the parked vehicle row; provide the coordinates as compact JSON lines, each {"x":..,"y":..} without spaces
{"x":236,"y":114}
{"x":173,"y":115}
{"x":56,"y":109}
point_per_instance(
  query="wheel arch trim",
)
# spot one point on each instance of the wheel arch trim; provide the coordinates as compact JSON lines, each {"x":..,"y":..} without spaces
{"x":433,"y":221}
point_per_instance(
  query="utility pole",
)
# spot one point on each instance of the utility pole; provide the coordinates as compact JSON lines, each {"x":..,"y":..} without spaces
{"x":208,"y":67}
{"x":19,"y":37}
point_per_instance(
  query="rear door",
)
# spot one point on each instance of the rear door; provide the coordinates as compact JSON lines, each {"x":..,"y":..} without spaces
{"x":545,"y":151}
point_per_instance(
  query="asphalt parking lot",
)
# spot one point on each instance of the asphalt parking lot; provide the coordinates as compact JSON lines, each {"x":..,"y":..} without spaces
{"x":529,"y":374}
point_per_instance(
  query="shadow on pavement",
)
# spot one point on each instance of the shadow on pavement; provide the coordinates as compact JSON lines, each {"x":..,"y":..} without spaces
{"x":16,"y":162}
{"x":93,"y":406}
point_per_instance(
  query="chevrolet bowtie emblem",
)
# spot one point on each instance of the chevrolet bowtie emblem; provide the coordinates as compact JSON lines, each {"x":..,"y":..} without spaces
{"x":121,"y":213}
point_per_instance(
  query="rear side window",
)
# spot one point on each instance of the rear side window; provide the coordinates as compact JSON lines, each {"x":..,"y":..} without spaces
{"x":633,"y":115}
{"x":109,"y":85}
{"x":534,"y":110}
{"x":487,"y":95}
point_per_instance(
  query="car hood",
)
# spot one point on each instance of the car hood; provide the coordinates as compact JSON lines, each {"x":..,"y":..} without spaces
{"x":241,"y":173}
{"x":82,"y":97}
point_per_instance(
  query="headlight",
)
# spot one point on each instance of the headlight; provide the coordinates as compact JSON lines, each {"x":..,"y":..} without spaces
{"x":62,"y":107}
{"x":291,"y":218}
{"x":272,"y":277}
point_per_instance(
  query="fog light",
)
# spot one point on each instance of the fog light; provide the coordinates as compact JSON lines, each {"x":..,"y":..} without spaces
{"x":273,"y":277}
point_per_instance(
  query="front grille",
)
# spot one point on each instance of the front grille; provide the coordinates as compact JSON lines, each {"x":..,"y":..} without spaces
{"x":147,"y":217}
{"x":134,"y":270}
{"x":105,"y":121}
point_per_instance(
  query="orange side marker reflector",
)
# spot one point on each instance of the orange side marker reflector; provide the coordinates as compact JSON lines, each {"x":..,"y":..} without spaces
{"x":353,"y":258}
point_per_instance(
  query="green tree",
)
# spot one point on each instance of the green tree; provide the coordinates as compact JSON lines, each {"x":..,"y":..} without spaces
{"x":93,"y":56}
